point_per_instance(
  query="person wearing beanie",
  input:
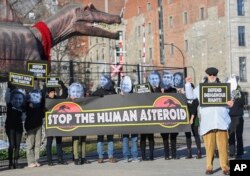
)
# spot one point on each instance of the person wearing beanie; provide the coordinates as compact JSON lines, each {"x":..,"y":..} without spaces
{"x":214,"y":124}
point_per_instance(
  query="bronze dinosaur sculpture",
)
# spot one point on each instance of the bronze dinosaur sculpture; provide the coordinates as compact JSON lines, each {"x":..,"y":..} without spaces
{"x":34,"y":43}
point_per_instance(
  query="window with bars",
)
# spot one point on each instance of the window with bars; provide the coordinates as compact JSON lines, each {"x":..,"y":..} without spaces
{"x":150,"y":54}
{"x":149,"y":28}
{"x":172,"y":49}
{"x":186,"y":45}
{"x":240,"y":7}
{"x":170,"y":21}
{"x":149,"y":6}
{"x":241,"y":35}
{"x":185,"y":18}
{"x":202,"y":13}
{"x":242,"y":69}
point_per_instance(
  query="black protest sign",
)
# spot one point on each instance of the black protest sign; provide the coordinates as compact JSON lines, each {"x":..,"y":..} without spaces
{"x":38,"y":68}
{"x":52,"y":81}
{"x":117,"y":114}
{"x":214,"y":94}
{"x":142,"y":88}
{"x":22,"y":80}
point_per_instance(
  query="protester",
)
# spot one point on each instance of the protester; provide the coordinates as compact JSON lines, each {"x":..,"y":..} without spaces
{"x":52,"y":95}
{"x":154,"y":79}
{"x":14,"y":125}
{"x":178,"y":80}
{"x":194,"y":122}
{"x":106,"y":88}
{"x":173,"y":136}
{"x":167,"y":79}
{"x":237,"y":124}
{"x":126,"y":88}
{"x":214,"y":124}
{"x":33,"y":126}
{"x":76,"y":91}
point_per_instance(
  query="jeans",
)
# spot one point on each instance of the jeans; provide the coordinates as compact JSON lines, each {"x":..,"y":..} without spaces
{"x":125,"y":146}
{"x":100,"y":139}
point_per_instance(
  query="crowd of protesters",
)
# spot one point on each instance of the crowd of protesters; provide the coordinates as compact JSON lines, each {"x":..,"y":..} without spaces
{"x":26,"y":110}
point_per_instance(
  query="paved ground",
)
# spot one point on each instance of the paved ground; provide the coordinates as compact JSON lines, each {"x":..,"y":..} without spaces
{"x":158,"y":167}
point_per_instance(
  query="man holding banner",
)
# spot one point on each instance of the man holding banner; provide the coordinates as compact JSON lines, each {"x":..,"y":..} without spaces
{"x":214,"y":124}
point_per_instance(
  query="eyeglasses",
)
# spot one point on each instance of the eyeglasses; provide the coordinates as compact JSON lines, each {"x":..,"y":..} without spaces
{"x":212,"y":75}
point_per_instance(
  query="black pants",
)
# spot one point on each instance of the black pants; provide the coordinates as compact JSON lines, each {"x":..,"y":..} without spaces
{"x":236,"y":131}
{"x":143,"y":145}
{"x":58,"y":147}
{"x":173,"y":138}
{"x":195,"y":131}
{"x":14,"y":143}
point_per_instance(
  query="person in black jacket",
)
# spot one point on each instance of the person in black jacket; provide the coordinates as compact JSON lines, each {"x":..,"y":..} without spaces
{"x":236,"y":127}
{"x":14,"y":125}
{"x":154,"y":80}
{"x":52,"y":95}
{"x":165,"y":136}
{"x":107,"y":88}
{"x":33,"y":125}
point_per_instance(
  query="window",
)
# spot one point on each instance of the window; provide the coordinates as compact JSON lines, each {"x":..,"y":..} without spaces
{"x":149,"y":7}
{"x":240,"y":7}
{"x":139,"y":53}
{"x":186,"y":45}
{"x":150,"y":54}
{"x":202,"y":13}
{"x":97,"y":57}
{"x":149,"y":28}
{"x":139,"y":31}
{"x":185,"y":18}
{"x":242,"y":69}
{"x":241,"y":35}
{"x":170,"y":22}
{"x":172,"y":49}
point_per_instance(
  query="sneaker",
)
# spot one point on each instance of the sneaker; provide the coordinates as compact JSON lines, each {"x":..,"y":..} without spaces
{"x":31,"y":165}
{"x":112,"y":160}
{"x":37,"y":164}
{"x":100,"y":160}
{"x":126,"y":160}
{"x":136,"y":160}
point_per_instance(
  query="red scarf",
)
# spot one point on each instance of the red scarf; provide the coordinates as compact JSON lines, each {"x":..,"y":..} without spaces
{"x":46,"y":38}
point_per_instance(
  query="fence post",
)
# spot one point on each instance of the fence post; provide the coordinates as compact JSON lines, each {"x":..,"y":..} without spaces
{"x":71,"y":72}
{"x":139,"y":73}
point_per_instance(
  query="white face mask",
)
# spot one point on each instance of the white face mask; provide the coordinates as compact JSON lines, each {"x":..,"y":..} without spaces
{"x":126,"y":84}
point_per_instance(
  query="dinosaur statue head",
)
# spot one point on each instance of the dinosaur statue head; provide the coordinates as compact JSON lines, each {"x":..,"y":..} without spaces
{"x":89,"y":16}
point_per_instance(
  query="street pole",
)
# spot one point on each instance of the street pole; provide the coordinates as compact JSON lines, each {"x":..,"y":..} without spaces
{"x":183,"y":58}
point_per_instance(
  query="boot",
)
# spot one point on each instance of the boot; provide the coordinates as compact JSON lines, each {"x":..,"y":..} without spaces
{"x":189,"y":154}
{"x":151,"y":150}
{"x":232,"y":151}
{"x":198,"y":154}
{"x":76,"y":162}
{"x":15,"y":165}
{"x":11,"y":164}
{"x":173,"y":150}
{"x":166,"y":149}
{"x":143,"y":150}
{"x":10,"y":156}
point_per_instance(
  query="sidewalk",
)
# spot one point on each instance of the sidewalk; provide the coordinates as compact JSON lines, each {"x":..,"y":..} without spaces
{"x":158,"y":167}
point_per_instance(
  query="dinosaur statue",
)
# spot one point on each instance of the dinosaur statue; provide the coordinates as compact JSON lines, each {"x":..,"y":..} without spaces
{"x":34,"y":43}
